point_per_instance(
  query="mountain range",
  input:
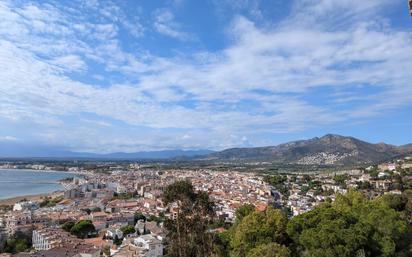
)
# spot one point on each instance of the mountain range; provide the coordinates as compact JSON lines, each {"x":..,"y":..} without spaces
{"x":16,"y":150}
{"x":327,"y":150}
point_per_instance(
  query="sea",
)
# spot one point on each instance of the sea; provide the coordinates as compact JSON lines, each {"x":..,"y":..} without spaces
{"x":18,"y":182}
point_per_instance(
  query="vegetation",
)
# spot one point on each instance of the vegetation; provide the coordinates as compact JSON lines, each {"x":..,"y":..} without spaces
{"x":155,"y":218}
{"x":340,"y":180}
{"x":244,"y":211}
{"x":124,"y":196}
{"x":127,"y":230}
{"x":188,"y":234}
{"x":350,"y":226}
{"x":139,"y":216}
{"x":49,"y":202}
{"x":68,"y":225}
{"x":257,"y":230}
{"x":19,"y":242}
{"x":117,"y":240}
{"x":88,"y":210}
{"x":83,"y":229}
{"x":278,"y":182}
{"x":5,"y":208}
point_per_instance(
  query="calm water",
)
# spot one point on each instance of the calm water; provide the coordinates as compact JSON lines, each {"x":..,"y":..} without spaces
{"x":27,"y":182}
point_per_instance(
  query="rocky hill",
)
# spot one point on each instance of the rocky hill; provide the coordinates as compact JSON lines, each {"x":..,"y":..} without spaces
{"x":328,"y":150}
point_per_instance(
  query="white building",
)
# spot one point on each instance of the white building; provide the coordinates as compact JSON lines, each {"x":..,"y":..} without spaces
{"x":23,"y":206}
{"x":113,"y":232}
{"x":152,"y":246}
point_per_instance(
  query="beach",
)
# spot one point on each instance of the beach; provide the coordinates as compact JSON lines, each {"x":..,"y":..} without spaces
{"x":35,"y":197}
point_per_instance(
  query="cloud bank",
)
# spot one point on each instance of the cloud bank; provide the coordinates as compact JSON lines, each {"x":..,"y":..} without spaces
{"x":67,"y":76}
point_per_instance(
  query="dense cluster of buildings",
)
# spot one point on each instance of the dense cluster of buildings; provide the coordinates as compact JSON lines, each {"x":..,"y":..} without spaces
{"x":305,"y":191}
{"x":111,"y":200}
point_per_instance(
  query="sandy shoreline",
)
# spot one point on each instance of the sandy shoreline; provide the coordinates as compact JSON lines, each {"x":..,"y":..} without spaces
{"x":36,"y":197}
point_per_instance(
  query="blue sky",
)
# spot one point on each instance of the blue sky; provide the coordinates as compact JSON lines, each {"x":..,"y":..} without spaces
{"x":107,"y":76}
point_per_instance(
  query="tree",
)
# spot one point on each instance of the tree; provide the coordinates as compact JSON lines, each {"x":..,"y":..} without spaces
{"x":244,"y":211}
{"x":96,"y":209}
{"x":139,"y":216}
{"x":18,"y":242}
{"x":67,"y":226}
{"x":87,"y":210}
{"x":277,"y":181}
{"x":83,"y":229}
{"x":270,"y":250}
{"x":258,"y":228}
{"x":117,"y":240}
{"x":188,"y":234}
{"x":340,"y":180}
{"x":221,"y":244}
{"x":350,"y":226}
{"x":128,"y":229}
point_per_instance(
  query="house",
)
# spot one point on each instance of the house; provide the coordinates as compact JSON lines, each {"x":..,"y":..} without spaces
{"x":26,"y":206}
{"x":382,"y":184}
{"x":113,"y":232}
{"x":152,"y":246}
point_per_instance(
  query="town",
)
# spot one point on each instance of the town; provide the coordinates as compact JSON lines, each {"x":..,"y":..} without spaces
{"x":119,"y":210}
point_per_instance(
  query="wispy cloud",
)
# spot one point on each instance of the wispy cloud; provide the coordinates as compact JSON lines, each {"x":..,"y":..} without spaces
{"x":264,"y":81}
{"x":8,"y":138}
{"x":165,"y":23}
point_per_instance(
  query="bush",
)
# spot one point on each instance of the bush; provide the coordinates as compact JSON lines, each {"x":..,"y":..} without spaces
{"x":83,"y":229}
{"x":68,"y":225}
{"x":127,"y":230}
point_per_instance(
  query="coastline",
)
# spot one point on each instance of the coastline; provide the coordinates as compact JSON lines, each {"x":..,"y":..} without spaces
{"x":35,"y":197}
{"x":79,"y":173}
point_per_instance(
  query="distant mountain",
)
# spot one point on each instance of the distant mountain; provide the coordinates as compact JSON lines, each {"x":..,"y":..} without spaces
{"x":13,"y":150}
{"x":327,"y":150}
{"x":165,"y":154}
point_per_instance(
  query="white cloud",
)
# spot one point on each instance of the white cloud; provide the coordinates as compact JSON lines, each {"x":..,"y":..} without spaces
{"x":205,"y":97}
{"x":165,"y":24}
{"x":8,"y":138}
{"x":70,"y":63}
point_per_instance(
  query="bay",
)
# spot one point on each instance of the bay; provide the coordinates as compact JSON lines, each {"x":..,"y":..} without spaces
{"x":16,"y":182}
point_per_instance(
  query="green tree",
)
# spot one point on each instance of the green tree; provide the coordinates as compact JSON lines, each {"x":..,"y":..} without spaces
{"x":269,"y":250}
{"x":139,"y":216}
{"x":83,"y":229}
{"x":341,"y":180}
{"x":18,"y":242}
{"x":258,"y":228}
{"x":244,"y":211}
{"x":67,"y":226}
{"x":188,"y":234}
{"x":221,"y":244}
{"x":350,"y":226}
{"x":128,"y":229}
{"x":117,"y":240}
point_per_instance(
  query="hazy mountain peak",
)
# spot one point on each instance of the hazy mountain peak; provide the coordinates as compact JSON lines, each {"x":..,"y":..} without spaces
{"x":329,"y":149}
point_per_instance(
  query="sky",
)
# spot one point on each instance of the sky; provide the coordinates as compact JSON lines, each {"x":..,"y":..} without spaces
{"x":110,"y":76}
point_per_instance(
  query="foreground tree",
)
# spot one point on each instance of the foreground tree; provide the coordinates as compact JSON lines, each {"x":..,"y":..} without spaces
{"x":244,"y":211}
{"x":269,"y":250}
{"x":188,"y":233}
{"x":350,"y":226}
{"x":258,"y":232}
